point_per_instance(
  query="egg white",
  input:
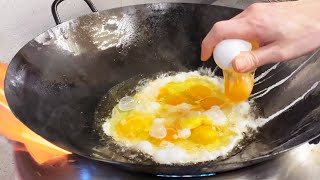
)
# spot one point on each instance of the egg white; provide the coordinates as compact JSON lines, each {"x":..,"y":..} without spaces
{"x":169,"y":153}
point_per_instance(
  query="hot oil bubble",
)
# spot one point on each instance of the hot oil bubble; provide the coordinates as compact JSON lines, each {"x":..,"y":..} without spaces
{"x":157,"y":129}
{"x":126,"y":103}
{"x":184,"y":133}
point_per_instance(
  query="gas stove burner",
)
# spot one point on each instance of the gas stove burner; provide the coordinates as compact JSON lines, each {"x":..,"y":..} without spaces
{"x":186,"y":176}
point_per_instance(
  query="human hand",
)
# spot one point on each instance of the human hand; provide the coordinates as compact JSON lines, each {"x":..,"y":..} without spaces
{"x":284,"y":31}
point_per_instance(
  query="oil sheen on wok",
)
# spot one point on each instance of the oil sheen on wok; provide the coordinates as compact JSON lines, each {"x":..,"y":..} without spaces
{"x":180,"y":118}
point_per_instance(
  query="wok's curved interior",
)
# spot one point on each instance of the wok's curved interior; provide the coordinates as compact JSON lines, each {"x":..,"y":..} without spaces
{"x":56,"y":81}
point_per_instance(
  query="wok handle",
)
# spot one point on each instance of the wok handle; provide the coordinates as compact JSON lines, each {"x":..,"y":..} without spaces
{"x":55,"y":4}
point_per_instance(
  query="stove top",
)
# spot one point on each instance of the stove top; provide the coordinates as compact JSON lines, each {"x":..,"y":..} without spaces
{"x":300,"y":163}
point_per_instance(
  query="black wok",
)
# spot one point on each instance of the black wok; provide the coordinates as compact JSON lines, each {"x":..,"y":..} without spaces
{"x":55,"y":83}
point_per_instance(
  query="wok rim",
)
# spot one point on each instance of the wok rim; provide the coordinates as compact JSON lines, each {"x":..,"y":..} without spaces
{"x":253,"y":161}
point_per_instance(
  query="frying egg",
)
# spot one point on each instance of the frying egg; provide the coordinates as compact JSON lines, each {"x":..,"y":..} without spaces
{"x":181,"y":118}
{"x":227,"y":50}
{"x":238,"y":86}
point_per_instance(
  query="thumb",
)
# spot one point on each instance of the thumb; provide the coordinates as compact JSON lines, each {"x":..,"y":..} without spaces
{"x":271,"y":53}
{"x":245,"y":62}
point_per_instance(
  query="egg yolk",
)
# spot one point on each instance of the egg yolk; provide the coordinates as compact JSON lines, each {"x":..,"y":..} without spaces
{"x":171,"y":135}
{"x":191,"y":123}
{"x":135,"y":126}
{"x":204,"y":135}
{"x":238,"y":86}
{"x":208,"y":102}
{"x":186,"y":125}
{"x":201,"y":93}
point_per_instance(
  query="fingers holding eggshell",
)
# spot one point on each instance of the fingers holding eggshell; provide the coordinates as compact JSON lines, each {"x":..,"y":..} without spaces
{"x":227,"y":50}
{"x":250,"y":60}
{"x":230,"y":29}
{"x":245,"y":62}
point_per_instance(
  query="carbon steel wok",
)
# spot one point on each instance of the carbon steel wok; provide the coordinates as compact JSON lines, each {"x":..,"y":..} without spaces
{"x":56,"y":81}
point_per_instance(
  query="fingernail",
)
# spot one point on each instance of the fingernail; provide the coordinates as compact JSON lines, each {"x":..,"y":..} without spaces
{"x":241,"y":63}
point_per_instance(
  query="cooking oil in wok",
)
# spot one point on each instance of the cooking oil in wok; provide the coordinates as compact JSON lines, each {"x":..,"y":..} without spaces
{"x":177,"y":118}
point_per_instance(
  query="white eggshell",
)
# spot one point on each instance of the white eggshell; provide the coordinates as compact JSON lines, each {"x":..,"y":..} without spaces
{"x":227,"y":50}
